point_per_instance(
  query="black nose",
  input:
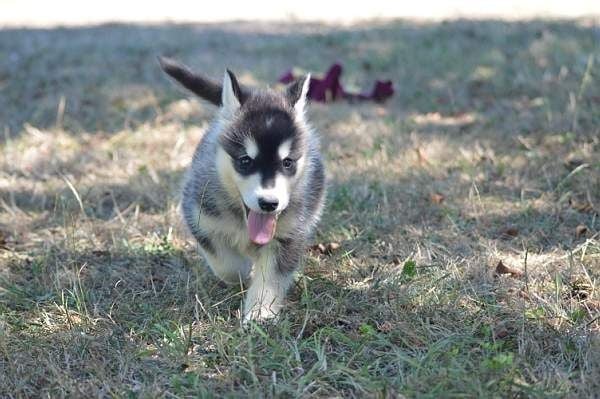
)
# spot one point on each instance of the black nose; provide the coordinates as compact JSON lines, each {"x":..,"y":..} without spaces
{"x":267,"y":205}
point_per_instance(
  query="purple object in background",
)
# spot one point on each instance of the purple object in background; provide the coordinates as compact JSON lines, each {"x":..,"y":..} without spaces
{"x":329,"y":87}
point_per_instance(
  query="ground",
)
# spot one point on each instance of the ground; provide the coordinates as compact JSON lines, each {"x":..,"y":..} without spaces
{"x":488,"y":152}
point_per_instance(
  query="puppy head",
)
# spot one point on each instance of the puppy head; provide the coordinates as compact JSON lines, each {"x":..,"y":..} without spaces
{"x":264,"y":142}
{"x":263,"y":138}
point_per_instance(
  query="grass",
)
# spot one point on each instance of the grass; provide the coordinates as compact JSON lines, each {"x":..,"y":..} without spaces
{"x":488,"y":152}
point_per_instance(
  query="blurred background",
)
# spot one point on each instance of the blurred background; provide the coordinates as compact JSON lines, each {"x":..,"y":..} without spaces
{"x":72,"y":12}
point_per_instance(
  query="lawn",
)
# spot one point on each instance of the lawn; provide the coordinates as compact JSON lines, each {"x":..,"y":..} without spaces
{"x":488,"y":152}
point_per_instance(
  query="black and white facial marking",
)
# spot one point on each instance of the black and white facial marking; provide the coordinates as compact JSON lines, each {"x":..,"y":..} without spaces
{"x":265,"y":149}
{"x":265,"y":145}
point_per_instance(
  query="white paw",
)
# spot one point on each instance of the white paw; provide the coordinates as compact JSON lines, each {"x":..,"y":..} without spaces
{"x":261,"y":312}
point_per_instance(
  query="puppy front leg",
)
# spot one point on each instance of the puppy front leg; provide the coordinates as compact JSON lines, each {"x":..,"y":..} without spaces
{"x":265,"y":295}
{"x":273,"y":274}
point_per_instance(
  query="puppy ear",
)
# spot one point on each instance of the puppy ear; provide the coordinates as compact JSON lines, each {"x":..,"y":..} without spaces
{"x":297,"y":92}
{"x":231,"y":97}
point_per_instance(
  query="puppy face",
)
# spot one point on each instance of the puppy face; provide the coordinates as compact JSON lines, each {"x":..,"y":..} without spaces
{"x":264,"y":140}
{"x":265,"y":150}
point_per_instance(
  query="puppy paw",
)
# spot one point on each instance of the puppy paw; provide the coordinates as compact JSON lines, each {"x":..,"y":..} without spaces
{"x":261,"y":313}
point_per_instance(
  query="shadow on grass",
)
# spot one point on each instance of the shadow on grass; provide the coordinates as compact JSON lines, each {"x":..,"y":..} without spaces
{"x":143,"y":321}
{"x":112,"y":321}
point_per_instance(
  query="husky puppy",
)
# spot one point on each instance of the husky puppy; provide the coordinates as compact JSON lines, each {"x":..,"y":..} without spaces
{"x":255,"y":189}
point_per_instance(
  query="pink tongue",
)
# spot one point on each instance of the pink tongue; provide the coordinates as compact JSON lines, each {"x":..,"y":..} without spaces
{"x":261,"y":227}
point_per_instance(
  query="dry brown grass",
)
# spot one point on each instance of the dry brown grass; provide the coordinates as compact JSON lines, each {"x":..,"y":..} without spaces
{"x":489,"y":152}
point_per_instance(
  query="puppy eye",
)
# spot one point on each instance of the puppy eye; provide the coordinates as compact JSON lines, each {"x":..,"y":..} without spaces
{"x":288,"y":163}
{"x":244,"y":162}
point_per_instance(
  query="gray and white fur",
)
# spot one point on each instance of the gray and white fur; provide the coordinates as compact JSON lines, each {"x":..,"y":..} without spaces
{"x":259,"y":159}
